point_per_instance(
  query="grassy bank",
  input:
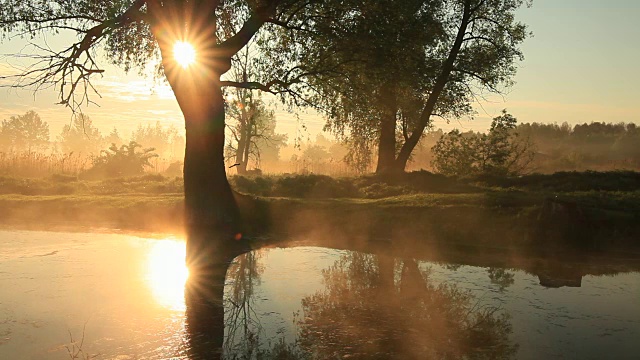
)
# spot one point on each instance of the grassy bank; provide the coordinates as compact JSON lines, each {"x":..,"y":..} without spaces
{"x":589,"y":210}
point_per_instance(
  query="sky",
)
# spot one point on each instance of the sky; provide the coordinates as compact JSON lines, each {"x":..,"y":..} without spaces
{"x":581,"y":65}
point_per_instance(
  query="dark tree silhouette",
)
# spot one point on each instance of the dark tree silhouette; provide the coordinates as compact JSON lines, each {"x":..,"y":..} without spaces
{"x":135,"y":31}
{"x":396,"y":65}
{"x":121,"y":161}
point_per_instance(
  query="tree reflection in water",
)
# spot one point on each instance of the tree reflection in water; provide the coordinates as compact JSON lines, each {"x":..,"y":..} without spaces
{"x":242,"y":324}
{"x":374,"y":307}
{"x":204,"y":293}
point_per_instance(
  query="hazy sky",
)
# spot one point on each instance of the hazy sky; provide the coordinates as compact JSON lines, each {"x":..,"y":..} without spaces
{"x":582,"y":65}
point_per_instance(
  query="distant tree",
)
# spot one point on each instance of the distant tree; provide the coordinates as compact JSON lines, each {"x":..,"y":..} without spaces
{"x":156,"y":137}
{"x":24,"y":132}
{"x":499,"y":152}
{"x":316,"y":154}
{"x":113,"y":138}
{"x":270,"y":144}
{"x":176,"y":150}
{"x":627,"y":146}
{"x":81,"y":136}
{"x":252,"y":127}
{"x":125,"y":160}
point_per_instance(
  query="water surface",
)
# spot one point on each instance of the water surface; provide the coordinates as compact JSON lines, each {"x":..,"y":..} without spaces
{"x":123,"y":296}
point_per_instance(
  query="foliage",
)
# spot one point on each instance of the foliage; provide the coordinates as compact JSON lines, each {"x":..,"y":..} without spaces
{"x":302,"y":186}
{"x":316,"y":154}
{"x":373,"y":187}
{"x":122,"y":161}
{"x":499,"y":152}
{"x":382,"y":69}
{"x":593,"y":146}
{"x":113,"y":137}
{"x":25,"y":132}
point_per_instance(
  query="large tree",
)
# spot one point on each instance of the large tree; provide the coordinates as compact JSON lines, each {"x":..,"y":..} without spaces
{"x":396,"y":65}
{"x":133,"y":32}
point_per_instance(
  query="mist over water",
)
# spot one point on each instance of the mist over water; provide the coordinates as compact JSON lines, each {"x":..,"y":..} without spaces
{"x":125,"y":295}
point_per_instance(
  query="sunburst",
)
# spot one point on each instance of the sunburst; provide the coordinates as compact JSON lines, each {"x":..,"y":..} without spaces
{"x":184,"y":53}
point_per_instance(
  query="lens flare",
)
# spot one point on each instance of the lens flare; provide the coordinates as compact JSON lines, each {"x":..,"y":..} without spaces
{"x":184,"y":53}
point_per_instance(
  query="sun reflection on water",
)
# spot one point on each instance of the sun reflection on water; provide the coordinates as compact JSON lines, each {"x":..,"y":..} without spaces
{"x":167,"y":273}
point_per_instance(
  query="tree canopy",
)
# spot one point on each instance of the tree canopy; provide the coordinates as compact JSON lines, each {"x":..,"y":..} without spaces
{"x":384,"y":69}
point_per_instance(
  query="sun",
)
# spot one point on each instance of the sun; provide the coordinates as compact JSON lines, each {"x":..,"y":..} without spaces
{"x":184,"y":53}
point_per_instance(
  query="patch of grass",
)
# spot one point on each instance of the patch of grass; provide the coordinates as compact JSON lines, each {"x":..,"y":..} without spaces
{"x":369,"y":186}
{"x":416,"y":203}
{"x":571,"y":181}
{"x":70,"y":185}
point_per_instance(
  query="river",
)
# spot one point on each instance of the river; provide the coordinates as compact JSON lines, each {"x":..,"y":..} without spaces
{"x":118,"y":296}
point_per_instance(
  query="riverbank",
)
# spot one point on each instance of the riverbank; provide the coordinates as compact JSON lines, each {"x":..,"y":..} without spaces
{"x":590,"y":211}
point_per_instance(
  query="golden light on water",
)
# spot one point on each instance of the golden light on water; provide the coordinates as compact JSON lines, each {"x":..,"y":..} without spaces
{"x":168,"y":273}
{"x":184,"y":53}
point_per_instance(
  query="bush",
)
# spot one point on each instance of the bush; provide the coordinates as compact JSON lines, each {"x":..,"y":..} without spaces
{"x":120,"y":162}
{"x":500,"y":152}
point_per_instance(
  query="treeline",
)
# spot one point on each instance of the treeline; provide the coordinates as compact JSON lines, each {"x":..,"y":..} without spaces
{"x":594,"y":146}
{"x":588,"y":146}
{"x":28,"y":149}
{"x":527,"y":148}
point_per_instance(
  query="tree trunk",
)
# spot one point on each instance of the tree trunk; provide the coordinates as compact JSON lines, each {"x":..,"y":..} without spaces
{"x":211,"y":212}
{"x":240,"y":158}
{"x":441,"y":82}
{"x":247,"y":144}
{"x":387,"y":143}
{"x":212,"y":215}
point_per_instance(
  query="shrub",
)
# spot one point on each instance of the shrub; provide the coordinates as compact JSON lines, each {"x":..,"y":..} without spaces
{"x":499,"y":152}
{"x":120,"y":162}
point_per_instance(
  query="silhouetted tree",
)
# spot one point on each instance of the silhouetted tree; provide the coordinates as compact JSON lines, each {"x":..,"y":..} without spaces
{"x":24,"y":132}
{"x":134,"y":31}
{"x":252,"y":125}
{"x":252,"y":129}
{"x":395,"y":65}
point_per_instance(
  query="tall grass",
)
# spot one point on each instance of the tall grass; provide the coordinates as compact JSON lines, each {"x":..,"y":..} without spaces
{"x":33,"y":164}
